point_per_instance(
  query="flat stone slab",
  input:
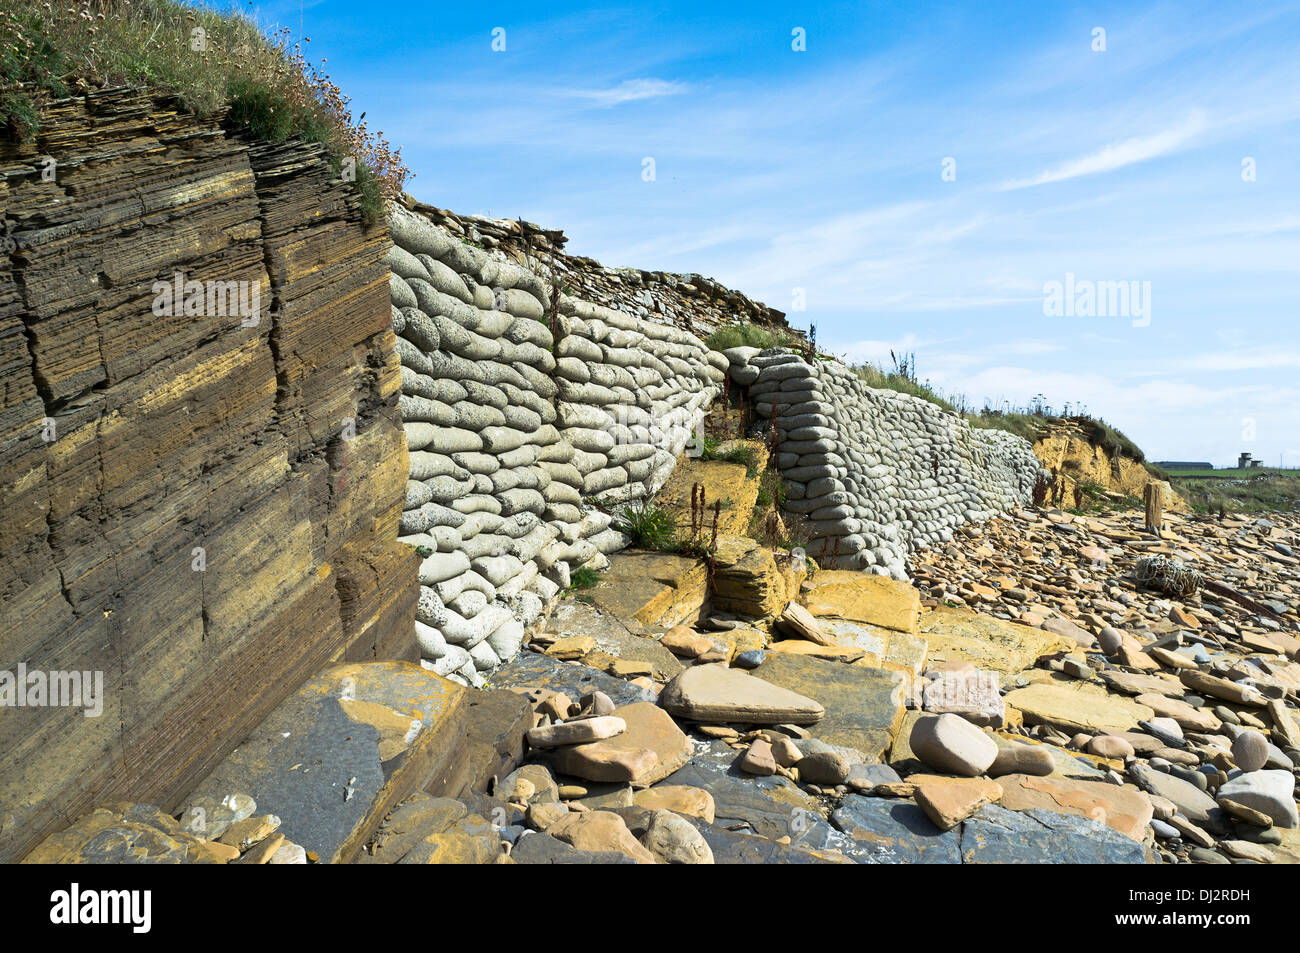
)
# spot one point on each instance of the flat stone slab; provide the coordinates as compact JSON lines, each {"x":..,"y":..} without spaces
{"x":610,"y":637}
{"x":621,"y":758}
{"x":1137,"y":683}
{"x":653,"y":588}
{"x":415,"y":819}
{"x":738,"y":847}
{"x":1122,"y":809}
{"x":538,"y":848}
{"x":998,"y":836}
{"x":771,"y":806}
{"x":872,"y":639}
{"x":716,"y":693}
{"x":887,"y":831}
{"x":960,"y":635}
{"x":333,"y":759}
{"x":534,"y":670}
{"x":1193,"y":803}
{"x":864,"y":597}
{"x":1075,"y":706}
{"x":498,"y":720}
{"x":907,"y":653}
{"x":864,"y":706}
{"x":123,"y":833}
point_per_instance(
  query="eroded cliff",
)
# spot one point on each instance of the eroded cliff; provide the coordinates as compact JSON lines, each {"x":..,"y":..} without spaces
{"x":202,"y":482}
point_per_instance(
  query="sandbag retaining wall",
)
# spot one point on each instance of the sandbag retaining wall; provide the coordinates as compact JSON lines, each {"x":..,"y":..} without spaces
{"x":511,"y":434}
{"x":875,"y":473}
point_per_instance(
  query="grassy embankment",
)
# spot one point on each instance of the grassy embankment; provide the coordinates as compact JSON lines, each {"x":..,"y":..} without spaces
{"x":1266,"y":490}
{"x":216,"y":64}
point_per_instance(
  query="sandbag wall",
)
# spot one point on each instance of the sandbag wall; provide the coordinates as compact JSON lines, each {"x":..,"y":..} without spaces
{"x":877,"y":474}
{"x":512,"y":434}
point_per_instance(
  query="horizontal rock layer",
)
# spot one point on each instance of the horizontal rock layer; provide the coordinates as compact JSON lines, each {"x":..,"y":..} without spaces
{"x":201,"y":503}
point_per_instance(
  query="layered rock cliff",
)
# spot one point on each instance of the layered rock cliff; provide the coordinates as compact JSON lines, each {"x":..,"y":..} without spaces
{"x":201,"y":456}
{"x":1075,"y":460}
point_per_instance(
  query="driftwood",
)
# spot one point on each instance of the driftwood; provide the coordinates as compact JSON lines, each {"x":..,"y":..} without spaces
{"x":1241,"y":599}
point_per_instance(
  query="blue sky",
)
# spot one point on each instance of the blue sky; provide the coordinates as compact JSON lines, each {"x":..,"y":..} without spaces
{"x":822,"y":170}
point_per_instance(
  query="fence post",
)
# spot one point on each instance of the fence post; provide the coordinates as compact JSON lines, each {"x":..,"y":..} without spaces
{"x":1155,"y":508}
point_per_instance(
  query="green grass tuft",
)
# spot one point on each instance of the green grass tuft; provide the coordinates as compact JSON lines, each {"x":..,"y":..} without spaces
{"x":744,"y":334}
{"x":584,"y":578}
{"x":650,"y":525}
{"x":740,"y":453}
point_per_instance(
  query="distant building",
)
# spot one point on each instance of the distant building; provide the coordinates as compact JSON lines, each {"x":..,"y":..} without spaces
{"x":1184,"y":465}
{"x":1246,"y":462}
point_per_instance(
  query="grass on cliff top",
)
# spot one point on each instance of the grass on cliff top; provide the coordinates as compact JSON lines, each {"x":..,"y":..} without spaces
{"x":899,"y":381}
{"x":751,"y":335}
{"x":214,"y":63}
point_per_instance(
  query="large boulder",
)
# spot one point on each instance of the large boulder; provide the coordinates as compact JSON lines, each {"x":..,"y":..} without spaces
{"x":951,"y":743}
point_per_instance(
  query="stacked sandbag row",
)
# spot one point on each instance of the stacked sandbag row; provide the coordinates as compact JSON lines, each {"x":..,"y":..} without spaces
{"x":877,"y":474}
{"x":510,"y":432}
{"x":630,"y":394}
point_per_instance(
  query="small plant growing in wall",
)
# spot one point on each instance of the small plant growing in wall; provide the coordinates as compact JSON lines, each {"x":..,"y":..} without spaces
{"x":1042,"y":486}
{"x":584,"y":578}
{"x":649,"y":524}
{"x":581,"y":580}
{"x":702,"y":542}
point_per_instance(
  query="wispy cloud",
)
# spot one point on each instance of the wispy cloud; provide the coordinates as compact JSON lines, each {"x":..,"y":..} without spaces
{"x":628,"y":91}
{"x":1030,"y":347}
{"x":880,"y":352}
{"x":1253,"y":359}
{"x":1120,"y":154}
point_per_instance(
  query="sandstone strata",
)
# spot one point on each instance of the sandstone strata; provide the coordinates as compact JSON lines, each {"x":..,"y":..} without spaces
{"x":202,"y":507}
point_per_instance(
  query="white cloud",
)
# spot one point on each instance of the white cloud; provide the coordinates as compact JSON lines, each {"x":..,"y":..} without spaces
{"x":878,"y":352}
{"x":1031,"y":346}
{"x":1242,"y":360}
{"x":628,"y":91}
{"x":1120,"y":154}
